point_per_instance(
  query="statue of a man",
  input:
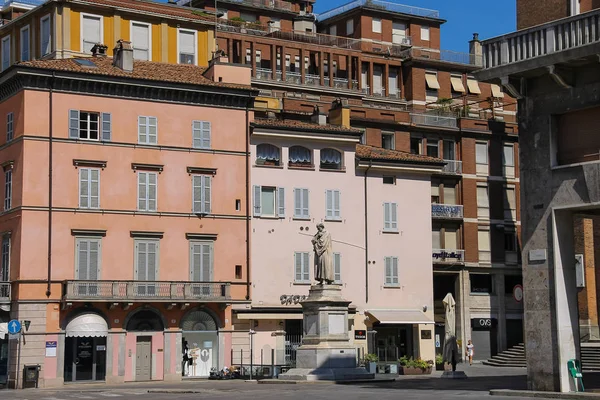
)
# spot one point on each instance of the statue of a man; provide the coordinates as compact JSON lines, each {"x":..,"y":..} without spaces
{"x":323,"y":256}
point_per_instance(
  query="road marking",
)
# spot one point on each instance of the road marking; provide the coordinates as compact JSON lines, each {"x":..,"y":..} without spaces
{"x":107,"y":394}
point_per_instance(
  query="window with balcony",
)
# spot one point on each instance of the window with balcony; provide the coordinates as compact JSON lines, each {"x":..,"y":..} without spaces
{"x":456,"y":84}
{"x":432,"y":86}
{"x":575,"y":6}
{"x":141,"y":40}
{"x":416,"y":145}
{"x":483,"y":202}
{"x":508,"y":160}
{"x":201,"y":194}
{"x":87,"y":265}
{"x":449,"y":150}
{"x":510,"y":247}
{"x":201,"y":266}
{"x":45,"y":35}
{"x":376,"y":25}
{"x":473,"y":85}
{"x":300,"y":157}
{"x":436,"y":197}
{"x":391,"y":271}
{"x":186,"y":47}
{"x":481,"y":283}
{"x":87,"y":125}
{"x":390,"y":217}
{"x":201,"y":132}
{"x":268,"y":154}
{"x":248,"y":17}
{"x":484,"y":246}
{"x":147,"y":190}
{"x":387,"y":140}
{"x":378,"y":89}
{"x":333,"y":205}
{"x":393,"y":83}
{"x":510,"y":203}
{"x":481,"y":158}
{"x":146,"y":266}
{"x":7,"y":190}
{"x":333,"y":30}
{"x":269,"y":201}
{"x":91,"y":32}
{"x":331,"y":159}
{"x":350,"y":27}
{"x":147,"y":130}
{"x":89,"y":188}
{"x":302,"y":267}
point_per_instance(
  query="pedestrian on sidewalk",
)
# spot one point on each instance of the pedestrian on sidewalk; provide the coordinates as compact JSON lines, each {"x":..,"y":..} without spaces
{"x":470,"y":351}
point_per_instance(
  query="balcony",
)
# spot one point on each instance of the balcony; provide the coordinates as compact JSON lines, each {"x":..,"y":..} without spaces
{"x":378,"y":92}
{"x":5,"y":292}
{"x":433,"y":120}
{"x":272,"y":4}
{"x":264,"y":74}
{"x":448,"y":256}
{"x":446,"y":211}
{"x":380,"y":5}
{"x":452,"y":167}
{"x":146,"y":291}
{"x":557,"y":42}
{"x":449,"y":56}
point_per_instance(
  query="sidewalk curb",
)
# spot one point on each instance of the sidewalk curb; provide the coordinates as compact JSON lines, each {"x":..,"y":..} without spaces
{"x":543,"y":395}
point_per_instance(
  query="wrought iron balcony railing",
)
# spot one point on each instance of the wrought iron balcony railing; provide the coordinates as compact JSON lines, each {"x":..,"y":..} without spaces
{"x":145,"y":290}
{"x":5,"y":292}
{"x":446,"y":211}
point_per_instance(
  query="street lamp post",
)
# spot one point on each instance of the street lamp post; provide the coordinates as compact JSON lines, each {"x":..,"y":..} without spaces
{"x":252,"y":332}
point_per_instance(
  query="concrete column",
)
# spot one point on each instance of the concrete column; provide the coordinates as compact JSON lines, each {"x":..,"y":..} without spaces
{"x":322,"y":68}
{"x":463,"y":314}
{"x":302,"y":66}
{"x":501,"y":328}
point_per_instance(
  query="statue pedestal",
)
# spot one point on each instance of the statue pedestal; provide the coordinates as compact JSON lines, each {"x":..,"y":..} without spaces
{"x":326,"y":352}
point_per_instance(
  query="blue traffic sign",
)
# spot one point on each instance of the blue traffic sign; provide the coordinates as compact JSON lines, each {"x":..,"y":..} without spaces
{"x":14,"y":327}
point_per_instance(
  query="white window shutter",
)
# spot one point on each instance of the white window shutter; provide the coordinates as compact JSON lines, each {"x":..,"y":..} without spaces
{"x":305,"y":273}
{"x":388,"y":270}
{"x":281,"y":202}
{"x":329,"y":204}
{"x":206,"y":133}
{"x":106,"y":127}
{"x":152,"y":178}
{"x":387,"y":224}
{"x":337,"y":214}
{"x":142,"y":191}
{"x":337,"y":267}
{"x":84,"y":188}
{"x":395,"y":270}
{"x":82,"y":262}
{"x":298,"y":267}
{"x":197,"y":194}
{"x":152,"y":261}
{"x":197,"y":134}
{"x":94,"y":188}
{"x":195,"y":261}
{"x":257,"y":207}
{"x":394,"y":216}
{"x":206,"y":187}
{"x":305,"y":210}
{"x":74,"y":124}
{"x":142,"y":130}
{"x":206,"y":262}
{"x":152,"y":130}
{"x":94,"y":260}
{"x":297,"y":203}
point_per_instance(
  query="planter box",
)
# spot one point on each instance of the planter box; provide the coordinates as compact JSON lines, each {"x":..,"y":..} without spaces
{"x":439,"y":367}
{"x":414,"y":371}
{"x":371,"y":367}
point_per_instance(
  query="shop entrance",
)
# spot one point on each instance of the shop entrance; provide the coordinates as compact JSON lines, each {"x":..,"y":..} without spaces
{"x":393,"y":342}
{"x":85,"y":348}
{"x":200,"y":344}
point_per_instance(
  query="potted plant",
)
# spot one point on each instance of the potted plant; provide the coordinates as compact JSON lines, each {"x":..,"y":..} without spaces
{"x":410,"y":366}
{"x":371,"y":362}
{"x":439,"y":362}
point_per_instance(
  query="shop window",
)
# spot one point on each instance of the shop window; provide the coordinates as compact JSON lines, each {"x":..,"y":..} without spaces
{"x":481,"y":283}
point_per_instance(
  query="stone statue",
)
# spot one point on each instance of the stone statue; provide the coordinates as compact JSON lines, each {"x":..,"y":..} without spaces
{"x":323,"y":256}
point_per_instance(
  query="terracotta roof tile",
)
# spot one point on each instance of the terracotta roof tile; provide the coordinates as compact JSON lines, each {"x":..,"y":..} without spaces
{"x":301,"y":125}
{"x":152,"y":7}
{"x":145,"y":70}
{"x":380,"y":154}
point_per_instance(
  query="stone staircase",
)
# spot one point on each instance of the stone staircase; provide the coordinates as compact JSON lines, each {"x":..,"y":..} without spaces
{"x":513,"y":357}
{"x":590,"y":356}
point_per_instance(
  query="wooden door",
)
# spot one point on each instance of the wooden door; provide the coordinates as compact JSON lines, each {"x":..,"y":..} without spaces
{"x":143,"y":358}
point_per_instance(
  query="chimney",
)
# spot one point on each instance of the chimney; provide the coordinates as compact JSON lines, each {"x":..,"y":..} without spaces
{"x":319,"y":117}
{"x":99,"y":50}
{"x":476,"y":51}
{"x":339,"y":113}
{"x":123,"y":55}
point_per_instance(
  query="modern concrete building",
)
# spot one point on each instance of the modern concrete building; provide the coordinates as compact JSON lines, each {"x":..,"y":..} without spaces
{"x":550,"y":65}
{"x":405,"y":93}
{"x":305,"y":173}
{"x":125,"y":221}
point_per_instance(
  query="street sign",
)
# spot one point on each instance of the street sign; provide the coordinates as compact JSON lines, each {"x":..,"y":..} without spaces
{"x":14,"y":327}
{"x":518,"y":293}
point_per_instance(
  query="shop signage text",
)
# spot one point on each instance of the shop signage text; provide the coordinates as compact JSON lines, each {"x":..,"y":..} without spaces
{"x":483,"y":322}
{"x":360,"y":334}
{"x":291,"y":299}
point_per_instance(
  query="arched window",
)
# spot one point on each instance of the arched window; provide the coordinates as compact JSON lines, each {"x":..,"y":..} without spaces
{"x":331,"y":159}
{"x":300,"y":157}
{"x":144,"y":321}
{"x":267,"y":154}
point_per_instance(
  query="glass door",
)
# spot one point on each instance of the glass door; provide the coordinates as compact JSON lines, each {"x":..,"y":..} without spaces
{"x":84,"y":359}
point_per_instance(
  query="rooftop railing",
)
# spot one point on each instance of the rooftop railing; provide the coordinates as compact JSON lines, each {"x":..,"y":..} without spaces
{"x":541,"y":40}
{"x":382,"y":5}
{"x":443,"y":55}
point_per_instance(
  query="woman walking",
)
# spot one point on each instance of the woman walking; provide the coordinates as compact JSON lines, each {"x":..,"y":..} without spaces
{"x":470,"y":352}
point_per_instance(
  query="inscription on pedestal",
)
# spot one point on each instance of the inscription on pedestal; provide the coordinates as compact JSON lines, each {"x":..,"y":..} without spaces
{"x":310,"y":324}
{"x":337,"y":324}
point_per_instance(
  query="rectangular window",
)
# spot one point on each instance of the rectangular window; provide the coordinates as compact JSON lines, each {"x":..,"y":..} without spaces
{"x":25,"y":43}
{"x":432,"y":85}
{"x":456,"y":82}
{"x":433,"y":148}
{"x":87,"y":265}
{"x":147,"y":182}
{"x":269,"y":201}
{"x":510,"y":204}
{"x":5,"y":266}
{"x":201,"y":266}
{"x":337,"y":268}
{"x":391,"y":271}
{"x":91,"y":32}
{"x":5,"y":52}
{"x":508,"y":160}
{"x":387,"y":141}
{"x":435,"y":193}
{"x":425,"y":34}
{"x":510,"y":248}
{"x":85,"y":125}
{"x":147,"y":130}
{"x":333,"y":205}
{"x":483,"y":202}
{"x":416,"y":145}
{"x":436,"y":239}
{"x":187,"y":48}
{"x":449,"y":150}
{"x":483,"y":241}
{"x":399,"y":33}
{"x":393,"y":83}
{"x":89,"y":188}
{"x":450,"y":238}
{"x":146,"y":267}
{"x":449,"y":193}
{"x":390,"y":217}
{"x":376,"y":25}
{"x":575,"y":7}
{"x":389,"y":180}
{"x":88,"y":125}
{"x":141,"y":40}
{"x":481,"y":283}
{"x":7,"y":190}
{"x":45,"y":35}
{"x":301,"y":267}
{"x":201,"y":134}
{"x":481,"y":158}
{"x":10,"y":126}
{"x":248,"y":17}
{"x":350,"y":27}
{"x":201,"y":194}
{"x":333,"y":30}
{"x":301,"y":204}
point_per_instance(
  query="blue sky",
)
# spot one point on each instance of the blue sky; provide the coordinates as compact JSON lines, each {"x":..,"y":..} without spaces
{"x":487,"y":17}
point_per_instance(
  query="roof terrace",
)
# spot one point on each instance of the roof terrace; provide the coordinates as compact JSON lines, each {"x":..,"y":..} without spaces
{"x":381,"y":5}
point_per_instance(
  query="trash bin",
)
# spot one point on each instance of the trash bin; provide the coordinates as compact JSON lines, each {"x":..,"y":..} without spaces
{"x":574,"y":367}
{"x":31,"y":375}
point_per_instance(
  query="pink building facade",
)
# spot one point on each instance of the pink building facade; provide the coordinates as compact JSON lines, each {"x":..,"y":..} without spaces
{"x":127,"y":224}
{"x":375,"y":204}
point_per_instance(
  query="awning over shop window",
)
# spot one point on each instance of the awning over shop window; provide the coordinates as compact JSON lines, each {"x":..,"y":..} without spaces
{"x":3,"y":329}
{"x":457,"y":84}
{"x":432,"y":81}
{"x":269,"y":316}
{"x":400,"y":316}
{"x":87,"y":325}
{"x":496,"y":91}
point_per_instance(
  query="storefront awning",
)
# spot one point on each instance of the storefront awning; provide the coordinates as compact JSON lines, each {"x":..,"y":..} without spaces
{"x":269,"y":316}
{"x":3,"y":329}
{"x":400,"y":316}
{"x":87,"y":325}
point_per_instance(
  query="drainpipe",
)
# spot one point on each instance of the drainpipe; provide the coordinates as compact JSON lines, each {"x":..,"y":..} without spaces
{"x":367,"y":237}
{"x":50,"y":137}
{"x":248,"y":200}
